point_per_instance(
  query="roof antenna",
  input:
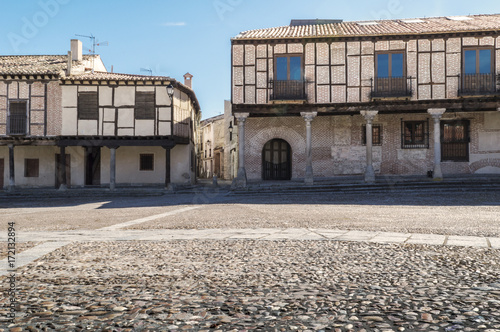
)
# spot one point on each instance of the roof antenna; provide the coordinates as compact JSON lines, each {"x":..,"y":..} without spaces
{"x":94,"y":44}
{"x":149,"y":70}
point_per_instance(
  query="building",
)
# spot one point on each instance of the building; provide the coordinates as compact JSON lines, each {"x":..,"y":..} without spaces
{"x":67,"y":122}
{"x":326,"y":98}
{"x":218,"y":146}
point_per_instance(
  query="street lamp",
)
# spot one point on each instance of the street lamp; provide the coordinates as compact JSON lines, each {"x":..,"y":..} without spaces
{"x":230,"y":130}
{"x":170,"y":91}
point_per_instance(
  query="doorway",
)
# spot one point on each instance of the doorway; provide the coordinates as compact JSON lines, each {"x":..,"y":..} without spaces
{"x":455,"y":140}
{"x":59,"y":171}
{"x":93,"y":166}
{"x":276,"y":160}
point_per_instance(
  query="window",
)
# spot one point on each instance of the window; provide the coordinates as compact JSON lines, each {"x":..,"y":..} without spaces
{"x":147,"y":162}
{"x":18,"y":117}
{"x":289,"y":68}
{"x":288,"y":83}
{"x":31,"y":168}
{"x":455,"y":140}
{"x":376,"y":135}
{"x":478,"y":72}
{"x":87,"y":106}
{"x":415,"y":135}
{"x":478,"y":61}
{"x":145,"y":105}
{"x":390,"y":76}
{"x":390,"y":65}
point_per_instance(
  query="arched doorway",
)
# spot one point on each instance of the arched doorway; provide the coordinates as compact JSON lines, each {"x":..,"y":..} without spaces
{"x":276,"y":160}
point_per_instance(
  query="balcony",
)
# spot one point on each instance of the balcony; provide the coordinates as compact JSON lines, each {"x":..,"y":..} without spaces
{"x":478,"y":85}
{"x":391,"y":87}
{"x":17,"y":124}
{"x":288,"y":90}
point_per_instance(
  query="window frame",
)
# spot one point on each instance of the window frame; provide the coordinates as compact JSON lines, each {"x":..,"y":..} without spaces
{"x":83,"y":111}
{"x":288,"y":56}
{"x":390,"y":53}
{"x":25,"y":115}
{"x":424,"y":143}
{"x":380,"y":135}
{"x":478,"y":49}
{"x":31,"y":167}
{"x":143,"y":169}
{"x":141,"y":108}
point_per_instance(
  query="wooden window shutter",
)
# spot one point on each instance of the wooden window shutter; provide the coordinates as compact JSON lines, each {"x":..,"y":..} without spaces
{"x":145,"y":105}
{"x":87,"y":106}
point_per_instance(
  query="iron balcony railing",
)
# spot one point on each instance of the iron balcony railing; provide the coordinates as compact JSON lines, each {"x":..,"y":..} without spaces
{"x":387,"y":87}
{"x":478,"y":84}
{"x":17,"y":124}
{"x":288,"y":90}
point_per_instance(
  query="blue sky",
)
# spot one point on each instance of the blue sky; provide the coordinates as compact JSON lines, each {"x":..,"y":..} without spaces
{"x":174,"y":37}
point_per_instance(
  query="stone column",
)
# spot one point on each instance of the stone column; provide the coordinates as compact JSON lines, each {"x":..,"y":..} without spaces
{"x":112,"y":168}
{"x":12,"y":178}
{"x":241,"y":179}
{"x":369,"y":172}
{"x":436,"y":114}
{"x":62,"y":165}
{"x":308,"y":117}
{"x":168,"y":184}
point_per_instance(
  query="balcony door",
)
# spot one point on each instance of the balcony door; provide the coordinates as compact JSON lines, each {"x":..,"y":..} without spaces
{"x":276,"y":160}
{"x":288,"y":83}
{"x":478,"y":72}
{"x":390,"y":79}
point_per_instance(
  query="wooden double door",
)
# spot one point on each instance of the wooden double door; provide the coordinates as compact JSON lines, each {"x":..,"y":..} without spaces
{"x":276,"y":160}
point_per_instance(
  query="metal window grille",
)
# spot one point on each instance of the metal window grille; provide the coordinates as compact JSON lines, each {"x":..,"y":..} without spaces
{"x":414,"y":134}
{"x":147,"y":162}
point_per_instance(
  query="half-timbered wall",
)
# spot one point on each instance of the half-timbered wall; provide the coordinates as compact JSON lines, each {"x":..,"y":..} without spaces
{"x":43,"y":117}
{"x":341,"y":71}
{"x":116,"y":112}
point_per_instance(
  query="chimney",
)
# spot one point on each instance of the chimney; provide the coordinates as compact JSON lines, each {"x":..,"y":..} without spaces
{"x":188,"y":80}
{"x":76,"y":50}
{"x":70,"y":63}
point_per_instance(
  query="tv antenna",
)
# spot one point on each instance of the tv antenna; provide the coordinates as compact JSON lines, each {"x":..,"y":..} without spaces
{"x":149,"y":70}
{"x":94,"y":44}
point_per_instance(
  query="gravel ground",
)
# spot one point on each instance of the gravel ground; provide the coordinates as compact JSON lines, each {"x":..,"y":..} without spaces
{"x":259,"y":285}
{"x":447,"y":220}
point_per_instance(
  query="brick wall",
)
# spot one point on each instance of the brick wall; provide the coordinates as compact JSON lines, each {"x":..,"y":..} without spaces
{"x":337,"y":72}
{"x":338,"y":149}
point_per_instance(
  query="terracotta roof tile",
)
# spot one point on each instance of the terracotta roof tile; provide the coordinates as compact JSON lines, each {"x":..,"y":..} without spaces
{"x":34,"y":64}
{"x":100,"y":76}
{"x":384,"y":27}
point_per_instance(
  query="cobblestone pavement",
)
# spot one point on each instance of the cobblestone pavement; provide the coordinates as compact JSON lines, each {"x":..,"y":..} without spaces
{"x":267,"y":285}
{"x":245,"y":284}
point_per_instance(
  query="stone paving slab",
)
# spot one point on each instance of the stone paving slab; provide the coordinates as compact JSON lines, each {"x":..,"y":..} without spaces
{"x":467,"y":241}
{"x":495,"y":242}
{"x":30,"y":255}
{"x":357,"y":236}
{"x":390,"y":237}
{"x":432,"y":239}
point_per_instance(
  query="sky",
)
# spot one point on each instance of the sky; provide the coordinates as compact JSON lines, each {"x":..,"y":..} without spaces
{"x":171,"y":38}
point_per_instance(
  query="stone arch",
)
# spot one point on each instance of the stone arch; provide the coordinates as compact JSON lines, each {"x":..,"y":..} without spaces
{"x":476,"y":166}
{"x":260,"y":138}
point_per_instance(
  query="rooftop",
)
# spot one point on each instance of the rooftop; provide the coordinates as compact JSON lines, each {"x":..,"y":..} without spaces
{"x":106,"y":76}
{"x":35,"y":64}
{"x":415,"y":26}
